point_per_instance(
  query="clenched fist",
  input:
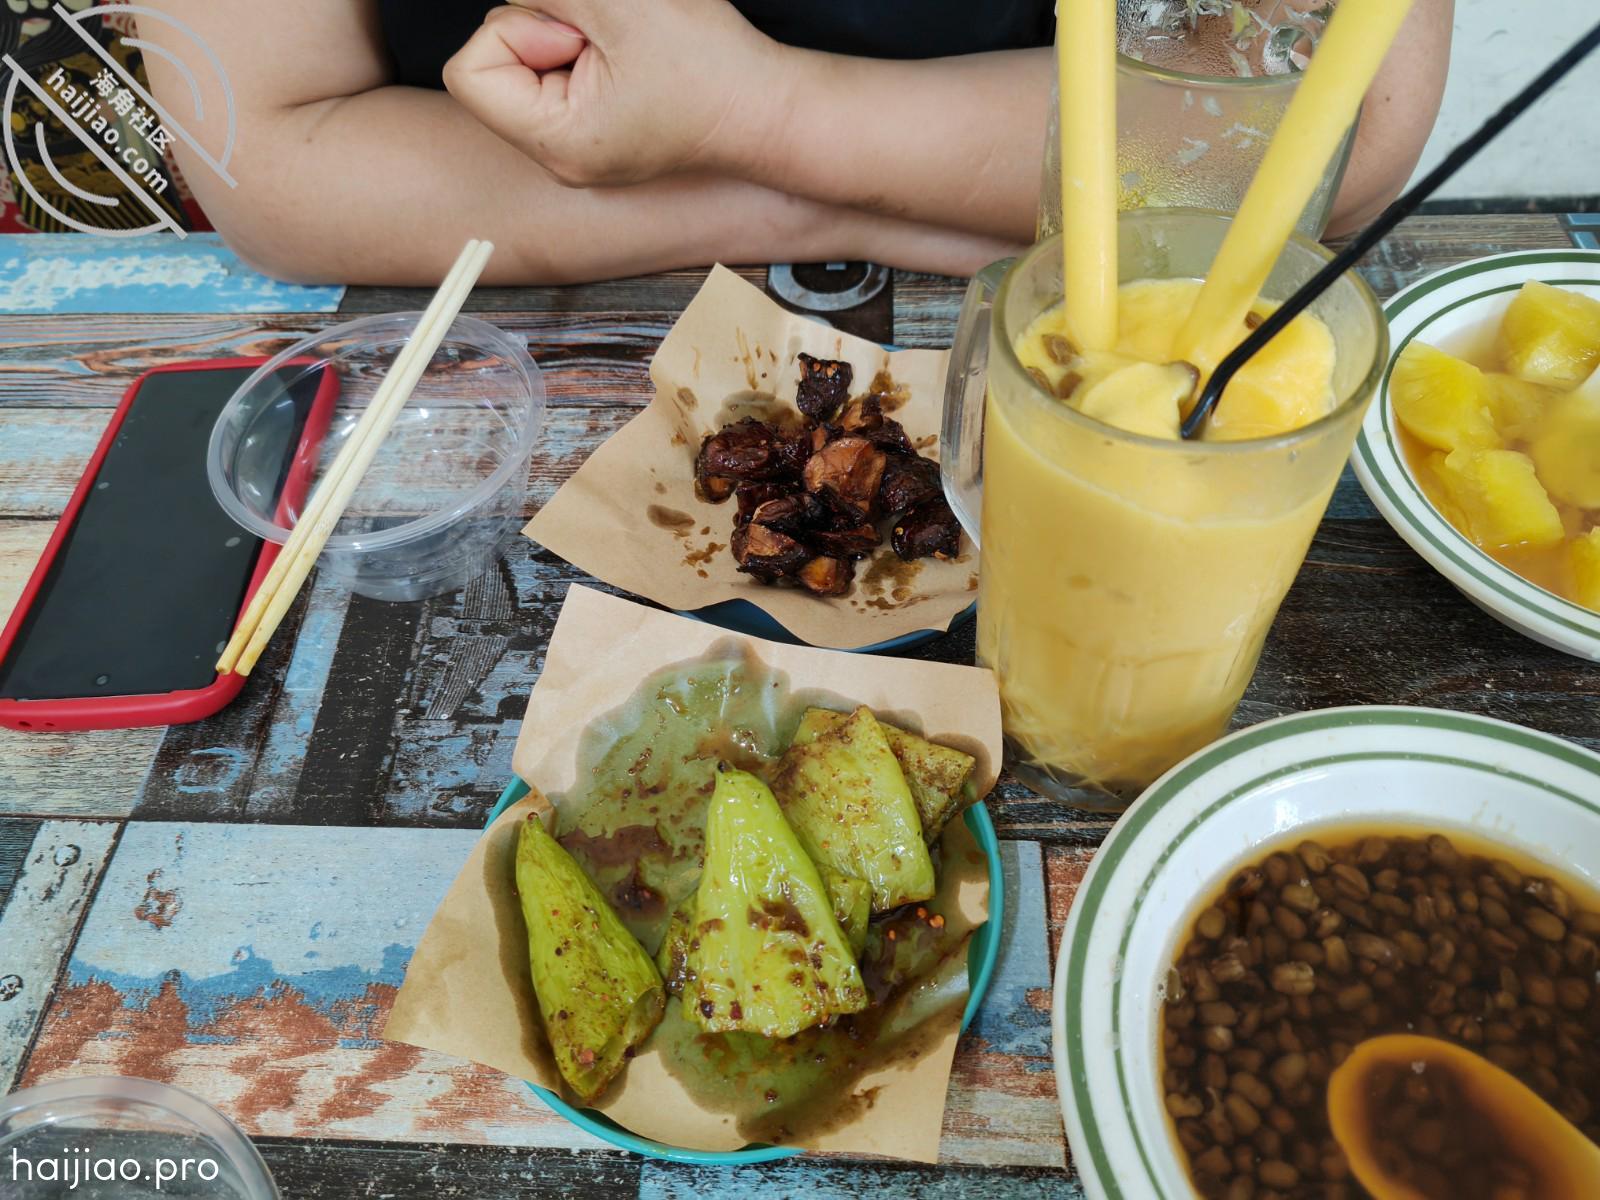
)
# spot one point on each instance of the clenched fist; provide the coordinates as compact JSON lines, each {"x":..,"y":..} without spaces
{"x":602,"y":92}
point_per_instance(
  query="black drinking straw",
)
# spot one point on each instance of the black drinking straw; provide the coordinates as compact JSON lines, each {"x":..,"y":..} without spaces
{"x":1380,"y":228}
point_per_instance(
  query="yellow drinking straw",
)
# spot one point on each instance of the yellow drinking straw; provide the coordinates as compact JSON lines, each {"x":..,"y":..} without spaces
{"x":1358,"y":36}
{"x":1086,"y":58}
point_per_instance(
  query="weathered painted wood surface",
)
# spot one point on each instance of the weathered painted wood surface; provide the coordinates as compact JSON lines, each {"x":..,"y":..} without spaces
{"x":254,"y":965}
{"x":68,"y":273}
{"x":247,"y":890}
{"x":48,"y":872}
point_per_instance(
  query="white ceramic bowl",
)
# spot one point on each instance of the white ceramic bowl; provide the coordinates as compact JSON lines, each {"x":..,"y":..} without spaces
{"x":1218,"y":809}
{"x":1444,"y":306}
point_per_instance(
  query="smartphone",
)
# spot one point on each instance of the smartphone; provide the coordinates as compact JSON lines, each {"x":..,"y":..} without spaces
{"x":145,"y":576}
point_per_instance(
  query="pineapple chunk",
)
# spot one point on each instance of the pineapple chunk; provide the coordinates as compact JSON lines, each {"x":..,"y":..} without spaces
{"x":1516,"y":404}
{"x":1440,"y":498}
{"x":1566,"y":450}
{"x":1500,"y":498}
{"x":1286,"y":385}
{"x":1584,"y":555}
{"x":1441,"y":400}
{"x":1551,"y":335}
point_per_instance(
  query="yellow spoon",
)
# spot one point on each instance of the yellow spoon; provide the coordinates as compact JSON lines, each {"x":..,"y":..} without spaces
{"x":1565,"y":1164}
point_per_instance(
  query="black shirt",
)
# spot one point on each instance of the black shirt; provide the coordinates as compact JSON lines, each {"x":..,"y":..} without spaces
{"x":423,"y":34}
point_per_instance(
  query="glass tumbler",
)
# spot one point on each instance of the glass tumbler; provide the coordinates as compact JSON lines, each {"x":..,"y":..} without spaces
{"x":1127,"y":582}
{"x":1195,"y":111}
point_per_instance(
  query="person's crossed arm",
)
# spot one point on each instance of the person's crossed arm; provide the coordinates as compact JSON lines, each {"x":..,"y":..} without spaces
{"x":665,"y":134}
{"x":646,"y":92}
{"x":604,"y":93}
{"x":345,"y":177}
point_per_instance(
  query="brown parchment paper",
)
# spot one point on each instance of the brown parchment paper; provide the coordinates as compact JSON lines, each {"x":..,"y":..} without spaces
{"x":467,"y":990}
{"x":630,"y":516}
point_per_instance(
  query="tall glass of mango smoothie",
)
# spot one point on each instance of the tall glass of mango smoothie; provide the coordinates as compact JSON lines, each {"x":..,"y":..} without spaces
{"x":1128,"y":578}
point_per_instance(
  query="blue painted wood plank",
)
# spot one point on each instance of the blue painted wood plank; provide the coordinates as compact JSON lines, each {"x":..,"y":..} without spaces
{"x":63,"y":860}
{"x":206,"y":769}
{"x":1584,"y":229}
{"x":1012,"y":1023}
{"x":272,"y":785}
{"x":592,"y":358}
{"x":347,"y":1170}
{"x":1002,"y":1107}
{"x":79,"y":273}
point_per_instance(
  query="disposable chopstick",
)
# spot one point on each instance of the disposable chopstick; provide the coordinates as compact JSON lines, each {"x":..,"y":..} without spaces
{"x":1325,"y":104}
{"x":336,"y":470}
{"x":426,"y":340}
{"x":423,"y":343}
{"x":1086,"y":50}
{"x":294,"y":562}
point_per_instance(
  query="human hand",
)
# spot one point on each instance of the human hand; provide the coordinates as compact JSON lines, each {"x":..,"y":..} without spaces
{"x":600,"y":93}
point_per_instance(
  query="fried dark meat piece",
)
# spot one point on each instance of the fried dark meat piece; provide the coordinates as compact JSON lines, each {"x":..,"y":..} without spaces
{"x":827,"y":576}
{"x":765,"y":553}
{"x":907,"y":482}
{"x":864,"y":418}
{"x":842,"y":514}
{"x":847,"y":470}
{"x":929,"y":528}
{"x":793,"y":448}
{"x":751,"y":496}
{"x":890,"y":437}
{"x":824,"y":387}
{"x":861,"y":416}
{"x":856,"y":541}
{"x":713,"y":489}
{"x":748,"y":450}
{"x":794,"y":515}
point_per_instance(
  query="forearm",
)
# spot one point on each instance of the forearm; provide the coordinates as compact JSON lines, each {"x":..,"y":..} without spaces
{"x":1397,"y":116}
{"x":384,"y":186}
{"x":955,"y":141}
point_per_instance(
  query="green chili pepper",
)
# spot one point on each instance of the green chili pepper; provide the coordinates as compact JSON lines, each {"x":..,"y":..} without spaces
{"x":940,"y":777}
{"x":767,"y":954}
{"x":598,"y":991}
{"x":847,"y":798}
{"x":852,"y":905}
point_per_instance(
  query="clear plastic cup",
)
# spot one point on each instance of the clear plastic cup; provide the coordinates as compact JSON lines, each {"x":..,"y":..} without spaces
{"x":446,"y":491}
{"x":110,"y":1138}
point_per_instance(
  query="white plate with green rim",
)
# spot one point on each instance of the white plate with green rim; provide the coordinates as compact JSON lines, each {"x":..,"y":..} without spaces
{"x":1228,"y":804}
{"x":1441,"y":309}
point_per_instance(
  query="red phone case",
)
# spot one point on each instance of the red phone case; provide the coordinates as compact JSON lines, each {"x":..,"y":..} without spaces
{"x":167,"y":708}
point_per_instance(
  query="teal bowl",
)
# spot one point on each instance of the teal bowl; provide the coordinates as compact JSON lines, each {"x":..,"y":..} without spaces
{"x":982,"y":954}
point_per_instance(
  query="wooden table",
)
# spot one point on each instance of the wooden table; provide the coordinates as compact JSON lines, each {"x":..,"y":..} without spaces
{"x":229,"y":906}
